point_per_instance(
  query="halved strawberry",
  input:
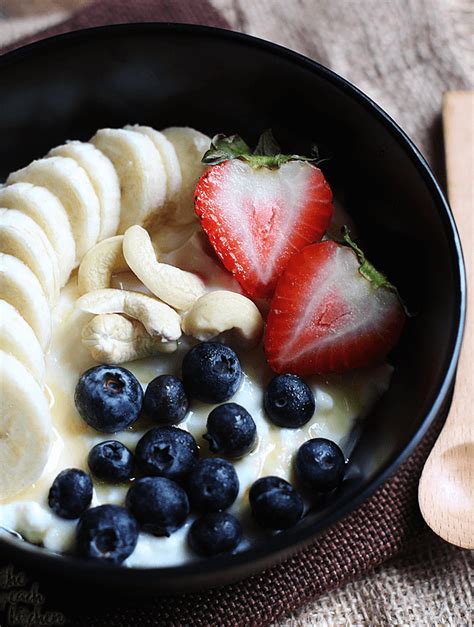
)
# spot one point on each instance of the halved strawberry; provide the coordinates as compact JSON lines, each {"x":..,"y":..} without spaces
{"x":331,"y":312}
{"x":258,"y":209}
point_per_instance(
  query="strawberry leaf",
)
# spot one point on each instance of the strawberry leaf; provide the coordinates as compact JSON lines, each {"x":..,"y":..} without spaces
{"x":267,"y":146}
{"x":266,"y":154}
{"x":368,"y":271}
{"x":224,"y":148}
{"x":316,"y":154}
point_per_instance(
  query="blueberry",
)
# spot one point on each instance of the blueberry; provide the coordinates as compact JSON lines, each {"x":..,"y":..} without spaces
{"x":107,"y":533}
{"x":213,"y":485}
{"x":288,"y":401}
{"x":211,"y":372}
{"x":275,"y":503}
{"x":71,"y":493}
{"x":215,"y":533}
{"x":165,"y":400}
{"x":111,"y":461}
{"x":161,"y":506}
{"x":231,"y":430}
{"x":108,"y":398}
{"x":167,"y":452}
{"x":320,"y":464}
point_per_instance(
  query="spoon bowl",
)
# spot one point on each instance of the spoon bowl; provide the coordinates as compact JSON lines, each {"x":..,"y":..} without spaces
{"x":446,"y":487}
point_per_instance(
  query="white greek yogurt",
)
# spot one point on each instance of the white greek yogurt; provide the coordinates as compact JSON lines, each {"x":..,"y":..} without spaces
{"x":340,"y":401}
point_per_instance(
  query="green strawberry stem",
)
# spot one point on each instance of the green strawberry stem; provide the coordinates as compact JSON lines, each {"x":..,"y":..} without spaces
{"x":368,"y":271}
{"x":266,"y":154}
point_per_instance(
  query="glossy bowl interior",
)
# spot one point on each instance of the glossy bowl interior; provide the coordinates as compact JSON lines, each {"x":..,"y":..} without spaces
{"x":218,"y":81}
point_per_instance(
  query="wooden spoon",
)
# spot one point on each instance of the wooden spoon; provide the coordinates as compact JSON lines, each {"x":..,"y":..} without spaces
{"x":446,"y":490}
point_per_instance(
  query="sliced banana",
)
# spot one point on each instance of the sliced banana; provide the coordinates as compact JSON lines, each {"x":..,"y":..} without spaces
{"x":169,"y":158}
{"x":100,"y":263}
{"x":104,"y":180}
{"x":46,"y":210}
{"x":20,"y":287}
{"x":190,"y":146}
{"x":140,"y":171}
{"x":25,"y":427}
{"x":21,"y":237}
{"x":69,"y":182}
{"x":114,"y":339}
{"x":176,"y":287}
{"x":157,"y":318}
{"x":18,"y":339}
{"x":220,"y":311}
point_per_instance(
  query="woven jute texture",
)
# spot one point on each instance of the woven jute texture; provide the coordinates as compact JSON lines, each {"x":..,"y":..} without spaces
{"x":430,"y":583}
{"x":403,"y":53}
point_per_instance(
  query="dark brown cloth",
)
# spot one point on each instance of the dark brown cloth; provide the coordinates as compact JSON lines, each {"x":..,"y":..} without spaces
{"x":384,"y":525}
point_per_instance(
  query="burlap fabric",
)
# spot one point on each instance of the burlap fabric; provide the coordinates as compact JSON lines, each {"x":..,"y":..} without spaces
{"x":404,"y":53}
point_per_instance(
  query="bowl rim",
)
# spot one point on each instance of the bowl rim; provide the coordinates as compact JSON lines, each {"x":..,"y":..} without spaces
{"x":280,"y":546}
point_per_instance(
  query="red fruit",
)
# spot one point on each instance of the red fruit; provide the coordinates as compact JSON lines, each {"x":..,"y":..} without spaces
{"x":258,"y":211}
{"x":331,"y":312}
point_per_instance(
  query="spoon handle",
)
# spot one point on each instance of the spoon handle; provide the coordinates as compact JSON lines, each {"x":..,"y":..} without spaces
{"x":458,"y":127}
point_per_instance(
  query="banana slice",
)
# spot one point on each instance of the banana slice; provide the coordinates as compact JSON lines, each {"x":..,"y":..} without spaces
{"x":169,"y":158}
{"x":158,"y":319}
{"x":20,"y":287}
{"x":21,"y":237}
{"x":18,"y":339}
{"x":68,"y":181}
{"x":140,"y":170}
{"x":25,"y":427}
{"x":100,"y":263}
{"x":104,"y":180}
{"x":45,"y":209}
{"x":176,"y":287}
{"x":190,"y":145}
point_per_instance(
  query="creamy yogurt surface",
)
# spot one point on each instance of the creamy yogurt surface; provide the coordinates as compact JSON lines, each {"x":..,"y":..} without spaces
{"x":340,"y":401}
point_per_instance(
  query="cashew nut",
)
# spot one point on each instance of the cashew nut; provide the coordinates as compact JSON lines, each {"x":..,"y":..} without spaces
{"x":221,"y":311}
{"x":157,"y":318}
{"x":100,"y":263}
{"x":112,"y":338}
{"x":176,"y":287}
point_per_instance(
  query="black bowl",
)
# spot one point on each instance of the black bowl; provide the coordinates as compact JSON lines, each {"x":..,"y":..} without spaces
{"x":220,"y":81}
